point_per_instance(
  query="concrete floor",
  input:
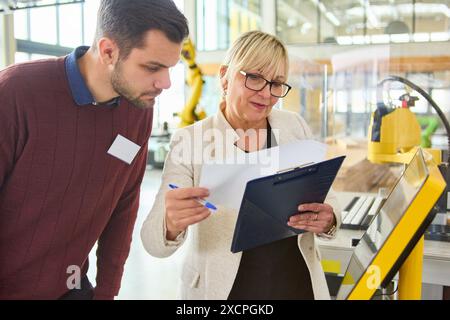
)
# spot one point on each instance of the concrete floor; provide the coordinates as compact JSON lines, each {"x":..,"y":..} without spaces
{"x":146,"y":277}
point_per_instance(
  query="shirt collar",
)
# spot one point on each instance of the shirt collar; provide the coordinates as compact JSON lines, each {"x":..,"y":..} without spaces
{"x":80,"y":92}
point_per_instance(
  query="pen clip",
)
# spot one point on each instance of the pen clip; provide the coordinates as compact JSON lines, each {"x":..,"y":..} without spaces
{"x":296,"y":167}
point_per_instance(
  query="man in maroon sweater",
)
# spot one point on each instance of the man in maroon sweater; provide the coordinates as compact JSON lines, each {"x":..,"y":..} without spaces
{"x":73,"y":147}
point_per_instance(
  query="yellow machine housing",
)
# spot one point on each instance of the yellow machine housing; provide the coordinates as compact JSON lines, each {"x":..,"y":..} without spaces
{"x":394,"y":137}
{"x":429,"y":185}
{"x":399,"y":132}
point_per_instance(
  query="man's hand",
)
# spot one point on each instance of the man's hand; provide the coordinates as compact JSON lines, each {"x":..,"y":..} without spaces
{"x":313,"y":217}
{"x":182,"y":210}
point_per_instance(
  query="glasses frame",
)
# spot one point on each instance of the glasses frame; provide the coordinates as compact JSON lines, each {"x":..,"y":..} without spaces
{"x":270,"y":83}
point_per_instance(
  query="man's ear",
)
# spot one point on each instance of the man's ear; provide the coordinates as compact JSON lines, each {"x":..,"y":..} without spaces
{"x":108,"y":51}
{"x":223,"y":78}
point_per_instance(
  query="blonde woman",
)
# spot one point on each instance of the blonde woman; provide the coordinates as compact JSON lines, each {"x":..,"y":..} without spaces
{"x":253,"y":79}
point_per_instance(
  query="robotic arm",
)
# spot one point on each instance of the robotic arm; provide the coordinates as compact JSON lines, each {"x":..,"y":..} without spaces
{"x":189,"y":114}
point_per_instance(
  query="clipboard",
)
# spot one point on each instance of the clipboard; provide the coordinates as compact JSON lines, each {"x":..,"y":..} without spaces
{"x":269,"y":202}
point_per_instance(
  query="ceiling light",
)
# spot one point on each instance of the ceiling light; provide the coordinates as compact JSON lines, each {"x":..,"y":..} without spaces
{"x":421,"y":37}
{"x":359,"y":39}
{"x":439,"y":36}
{"x":400,"y":38}
{"x":380,"y":38}
{"x":344,"y":40}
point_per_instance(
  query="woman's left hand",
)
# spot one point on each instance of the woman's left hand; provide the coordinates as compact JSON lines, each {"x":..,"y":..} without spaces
{"x":313,"y":217}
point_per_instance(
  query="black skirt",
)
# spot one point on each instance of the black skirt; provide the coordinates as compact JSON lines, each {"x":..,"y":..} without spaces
{"x":276,"y":271}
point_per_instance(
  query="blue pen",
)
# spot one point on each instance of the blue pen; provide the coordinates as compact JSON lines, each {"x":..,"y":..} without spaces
{"x":201,"y":201}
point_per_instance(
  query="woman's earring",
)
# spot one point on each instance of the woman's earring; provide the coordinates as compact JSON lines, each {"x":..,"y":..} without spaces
{"x":224,"y":93}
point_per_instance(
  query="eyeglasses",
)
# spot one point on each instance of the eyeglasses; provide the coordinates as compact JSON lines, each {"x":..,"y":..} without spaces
{"x":256,"y":82}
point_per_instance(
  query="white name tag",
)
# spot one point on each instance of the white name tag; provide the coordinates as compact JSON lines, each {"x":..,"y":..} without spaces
{"x":124,"y":149}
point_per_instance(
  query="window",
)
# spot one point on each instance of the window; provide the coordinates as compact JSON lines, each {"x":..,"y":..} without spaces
{"x":90,"y":20}
{"x":220,"y":22}
{"x":296,"y":25}
{"x":70,"y":25}
{"x":362,"y":21}
{"x":171,"y":101}
{"x":341,"y":101}
{"x":21,"y":24}
{"x":22,"y":57}
{"x":52,"y":30}
{"x":43,"y":25}
{"x":442,"y":99}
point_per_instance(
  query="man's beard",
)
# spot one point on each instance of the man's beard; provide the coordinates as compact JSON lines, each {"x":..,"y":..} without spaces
{"x":122,"y":87}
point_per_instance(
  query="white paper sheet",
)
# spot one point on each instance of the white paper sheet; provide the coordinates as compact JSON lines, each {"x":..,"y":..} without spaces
{"x":227,"y":180}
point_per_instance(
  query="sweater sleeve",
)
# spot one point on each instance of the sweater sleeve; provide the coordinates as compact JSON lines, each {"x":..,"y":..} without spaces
{"x":115,"y":241}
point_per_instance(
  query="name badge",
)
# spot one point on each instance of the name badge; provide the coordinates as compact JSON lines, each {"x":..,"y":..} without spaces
{"x":124,"y":149}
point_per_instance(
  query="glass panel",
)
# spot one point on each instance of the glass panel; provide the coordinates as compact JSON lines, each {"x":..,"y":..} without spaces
{"x":363,"y":21}
{"x":43,"y":25}
{"x":70,"y":27}
{"x":402,"y":195}
{"x":341,"y":102}
{"x":422,"y":104}
{"x":306,"y":97}
{"x":172,"y":101}
{"x":220,"y":22}
{"x":297,"y":21}
{"x":245,"y":15}
{"x":211,"y":95}
{"x":395,"y":19}
{"x":381,"y":21}
{"x":340,"y":19}
{"x":22,"y":57}
{"x":354,"y":88}
{"x":432,"y":18}
{"x":20,"y":24}
{"x":442,"y":99}
{"x":90,"y":20}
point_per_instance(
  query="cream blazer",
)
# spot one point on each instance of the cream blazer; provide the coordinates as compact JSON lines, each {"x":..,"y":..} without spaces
{"x":210,"y":268}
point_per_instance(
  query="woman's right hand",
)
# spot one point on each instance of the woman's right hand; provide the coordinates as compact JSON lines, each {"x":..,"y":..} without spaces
{"x":182,"y":210}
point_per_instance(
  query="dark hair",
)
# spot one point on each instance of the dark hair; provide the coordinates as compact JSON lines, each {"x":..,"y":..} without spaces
{"x":127,"y":21}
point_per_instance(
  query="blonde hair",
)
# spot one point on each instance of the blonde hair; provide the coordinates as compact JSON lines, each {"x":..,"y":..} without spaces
{"x":256,"y":50}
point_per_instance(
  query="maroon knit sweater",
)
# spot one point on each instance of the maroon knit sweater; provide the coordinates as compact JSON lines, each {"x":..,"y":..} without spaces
{"x":60,"y":191}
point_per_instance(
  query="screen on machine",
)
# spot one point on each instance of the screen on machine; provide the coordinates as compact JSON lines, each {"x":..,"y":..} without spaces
{"x":389,"y":215}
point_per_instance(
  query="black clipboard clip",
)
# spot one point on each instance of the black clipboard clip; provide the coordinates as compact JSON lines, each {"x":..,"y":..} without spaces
{"x":295,"y":168}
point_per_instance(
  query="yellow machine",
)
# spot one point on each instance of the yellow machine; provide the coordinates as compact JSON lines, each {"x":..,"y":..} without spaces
{"x":190,"y":115}
{"x":394,"y":137}
{"x":393,"y":234}
{"x":395,"y":133}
